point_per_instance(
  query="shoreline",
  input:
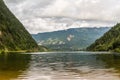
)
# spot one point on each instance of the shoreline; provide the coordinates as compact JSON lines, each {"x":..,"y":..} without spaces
{"x":20,"y":51}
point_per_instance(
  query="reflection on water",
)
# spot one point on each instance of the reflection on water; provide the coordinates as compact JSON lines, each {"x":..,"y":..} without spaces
{"x":60,"y":66}
{"x":13,"y":65}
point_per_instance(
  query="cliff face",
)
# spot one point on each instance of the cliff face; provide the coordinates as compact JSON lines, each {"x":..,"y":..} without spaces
{"x":13,"y":35}
{"x":110,"y":41}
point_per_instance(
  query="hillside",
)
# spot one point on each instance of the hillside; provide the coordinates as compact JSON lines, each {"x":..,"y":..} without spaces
{"x":13,"y":35}
{"x":71,"y":39}
{"x":110,"y":41}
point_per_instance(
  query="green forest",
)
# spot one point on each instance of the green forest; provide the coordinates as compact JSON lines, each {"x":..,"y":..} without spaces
{"x":13,"y":35}
{"x":110,"y":41}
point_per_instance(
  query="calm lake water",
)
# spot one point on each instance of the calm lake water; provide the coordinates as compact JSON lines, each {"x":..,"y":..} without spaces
{"x":60,"y":66}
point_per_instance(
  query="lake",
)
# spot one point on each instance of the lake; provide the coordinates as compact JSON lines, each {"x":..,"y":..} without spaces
{"x":60,"y":66}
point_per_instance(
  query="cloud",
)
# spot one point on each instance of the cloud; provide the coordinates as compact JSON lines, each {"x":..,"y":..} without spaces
{"x":85,"y":9}
{"x":50,"y":15}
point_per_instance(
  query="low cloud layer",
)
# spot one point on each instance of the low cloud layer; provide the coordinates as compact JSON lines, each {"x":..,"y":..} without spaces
{"x":50,"y":15}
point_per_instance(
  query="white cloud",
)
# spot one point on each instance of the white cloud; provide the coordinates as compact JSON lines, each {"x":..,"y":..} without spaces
{"x":84,"y":9}
{"x":49,"y":15}
{"x":37,"y":25}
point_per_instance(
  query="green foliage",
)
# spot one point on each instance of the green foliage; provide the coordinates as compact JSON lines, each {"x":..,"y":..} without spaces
{"x":110,"y":41}
{"x":13,"y":36}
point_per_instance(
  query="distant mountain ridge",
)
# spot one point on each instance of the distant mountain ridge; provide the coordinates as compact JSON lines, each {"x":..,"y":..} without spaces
{"x":110,"y":41}
{"x":70,"y":39}
{"x":13,"y":35}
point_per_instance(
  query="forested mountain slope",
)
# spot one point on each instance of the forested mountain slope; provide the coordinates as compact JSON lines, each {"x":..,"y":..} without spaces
{"x":13,"y":35}
{"x":110,"y":41}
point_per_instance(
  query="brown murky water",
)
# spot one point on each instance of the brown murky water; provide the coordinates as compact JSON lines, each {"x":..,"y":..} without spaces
{"x":60,"y":66}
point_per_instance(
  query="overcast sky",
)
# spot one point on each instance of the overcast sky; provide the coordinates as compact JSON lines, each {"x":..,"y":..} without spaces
{"x":51,"y":15}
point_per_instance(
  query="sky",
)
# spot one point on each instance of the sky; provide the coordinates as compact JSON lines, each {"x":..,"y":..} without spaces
{"x":51,"y":15}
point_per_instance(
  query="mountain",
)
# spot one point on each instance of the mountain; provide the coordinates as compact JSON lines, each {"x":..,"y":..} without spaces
{"x":110,"y":41}
{"x":71,"y":39}
{"x":13,"y":35}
